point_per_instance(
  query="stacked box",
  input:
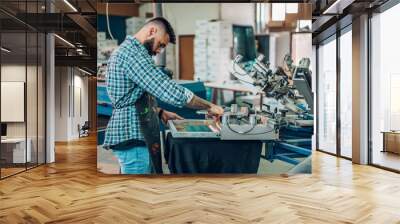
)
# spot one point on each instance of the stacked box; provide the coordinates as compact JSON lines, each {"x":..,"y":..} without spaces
{"x":105,"y":49}
{"x":220,"y":34}
{"x":134,"y":24}
{"x":212,"y":50}
{"x":170,"y":59}
{"x":201,"y":29}
{"x":101,"y":36}
{"x":220,"y":42}
{"x":200,"y":51}
{"x":218,"y":64}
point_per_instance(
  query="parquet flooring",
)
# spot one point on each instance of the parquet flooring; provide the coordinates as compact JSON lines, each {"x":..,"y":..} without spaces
{"x":71,"y":191}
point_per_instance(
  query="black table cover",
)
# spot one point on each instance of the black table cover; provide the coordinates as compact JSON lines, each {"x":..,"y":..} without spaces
{"x":208,"y":155}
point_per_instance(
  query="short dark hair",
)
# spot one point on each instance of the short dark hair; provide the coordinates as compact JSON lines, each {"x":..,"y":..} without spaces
{"x":167,"y":27}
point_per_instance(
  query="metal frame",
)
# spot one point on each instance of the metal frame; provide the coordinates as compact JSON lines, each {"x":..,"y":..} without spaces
{"x":183,"y":134}
{"x":338,"y":93}
{"x":0,"y":90}
{"x":44,"y":74}
{"x":339,"y":32}
{"x":327,"y":39}
{"x":369,"y":78}
{"x":386,"y":6}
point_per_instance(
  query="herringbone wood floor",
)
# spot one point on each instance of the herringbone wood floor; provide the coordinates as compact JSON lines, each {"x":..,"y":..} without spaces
{"x":71,"y":191}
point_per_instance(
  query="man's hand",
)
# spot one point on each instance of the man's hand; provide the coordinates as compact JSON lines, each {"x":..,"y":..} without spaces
{"x":166,"y":116}
{"x":198,"y":103}
{"x":216,"y":110}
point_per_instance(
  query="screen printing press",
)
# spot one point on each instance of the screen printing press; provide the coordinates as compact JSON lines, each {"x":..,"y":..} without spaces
{"x":280,"y":117}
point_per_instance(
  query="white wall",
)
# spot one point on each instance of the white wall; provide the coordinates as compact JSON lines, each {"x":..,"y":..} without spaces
{"x":145,"y":8}
{"x":69,"y":81}
{"x":182,"y":17}
{"x":61,"y":103}
{"x":239,"y":13}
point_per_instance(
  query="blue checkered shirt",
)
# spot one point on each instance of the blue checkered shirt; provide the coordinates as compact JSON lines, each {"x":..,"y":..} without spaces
{"x":130,"y":73}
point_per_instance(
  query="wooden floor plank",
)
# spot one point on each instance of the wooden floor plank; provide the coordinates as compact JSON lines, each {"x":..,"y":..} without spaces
{"x":72,"y":191}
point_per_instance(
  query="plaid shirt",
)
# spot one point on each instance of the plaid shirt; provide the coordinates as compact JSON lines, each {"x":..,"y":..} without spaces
{"x":131,"y":72}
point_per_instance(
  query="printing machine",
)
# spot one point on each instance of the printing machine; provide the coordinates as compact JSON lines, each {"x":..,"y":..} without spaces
{"x":285,"y":105}
{"x":280,"y":115}
{"x":284,"y":99}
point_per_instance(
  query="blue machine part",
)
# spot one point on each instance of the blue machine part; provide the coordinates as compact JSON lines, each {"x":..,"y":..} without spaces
{"x":295,"y":142}
{"x":198,"y":89}
{"x":104,"y":106}
{"x":101,"y":136}
{"x":302,"y":167}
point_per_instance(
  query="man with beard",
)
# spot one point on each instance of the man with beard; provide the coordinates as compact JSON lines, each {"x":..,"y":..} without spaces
{"x":132,"y":81}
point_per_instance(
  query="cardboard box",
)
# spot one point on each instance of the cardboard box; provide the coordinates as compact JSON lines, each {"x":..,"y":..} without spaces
{"x":135,"y":25}
{"x":219,"y":27}
{"x":107,"y":43}
{"x":135,"y":20}
{"x":200,"y":68}
{"x":202,"y":36}
{"x":201,"y":43}
{"x":200,"y":51}
{"x":131,"y":32}
{"x":201,"y":23}
{"x":218,"y":54}
{"x":220,"y":41}
{"x":101,"y":36}
{"x":201,"y":29}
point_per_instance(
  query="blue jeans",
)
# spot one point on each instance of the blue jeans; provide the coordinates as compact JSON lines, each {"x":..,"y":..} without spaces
{"x":135,"y":160}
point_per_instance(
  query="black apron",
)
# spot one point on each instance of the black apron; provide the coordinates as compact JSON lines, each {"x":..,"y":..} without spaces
{"x":149,"y":121}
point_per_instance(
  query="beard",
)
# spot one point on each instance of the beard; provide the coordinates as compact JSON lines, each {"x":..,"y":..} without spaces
{"x":149,"y":44}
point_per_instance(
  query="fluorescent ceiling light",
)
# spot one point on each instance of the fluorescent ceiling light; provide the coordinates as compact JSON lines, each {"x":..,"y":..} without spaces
{"x":5,"y":50}
{"x":278,"y":12}
{"x":84,"y":71}
{"x":65,"y":41}
{"x":292,"y":8}
{"x":70,"y":5}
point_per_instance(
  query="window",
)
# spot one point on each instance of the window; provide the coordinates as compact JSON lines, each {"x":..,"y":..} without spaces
{"x":22,"y":77}
{"x":346,"y":94}
{"x":327,"y":96}
{"x":385,"y":88}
